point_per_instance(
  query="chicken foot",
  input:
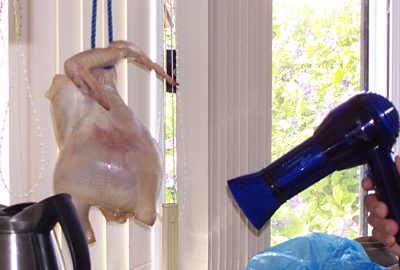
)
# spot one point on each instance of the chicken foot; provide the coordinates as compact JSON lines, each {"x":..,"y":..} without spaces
{"x":80,"y":66}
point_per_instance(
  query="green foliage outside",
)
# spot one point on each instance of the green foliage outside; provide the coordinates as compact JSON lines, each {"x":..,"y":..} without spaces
{"x":170,"y":148}
{"x":169,"y":37}
{"x":316,"y":66}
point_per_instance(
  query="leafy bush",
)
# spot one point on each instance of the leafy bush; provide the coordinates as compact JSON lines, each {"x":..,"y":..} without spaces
{"x":316,"y":66}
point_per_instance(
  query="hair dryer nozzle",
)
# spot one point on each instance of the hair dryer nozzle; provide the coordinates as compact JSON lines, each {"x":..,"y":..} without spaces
{"x":254,"y":197}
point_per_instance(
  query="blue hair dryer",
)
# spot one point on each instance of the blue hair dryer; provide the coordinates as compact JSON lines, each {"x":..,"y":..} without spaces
{"x":360,"y":131}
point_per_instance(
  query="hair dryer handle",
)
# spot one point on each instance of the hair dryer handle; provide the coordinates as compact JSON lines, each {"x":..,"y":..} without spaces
{"x":386,"y":180}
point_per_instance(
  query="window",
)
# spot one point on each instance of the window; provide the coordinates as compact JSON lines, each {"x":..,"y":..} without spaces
{"x":170,"y":103}
{"x":320,"y":59}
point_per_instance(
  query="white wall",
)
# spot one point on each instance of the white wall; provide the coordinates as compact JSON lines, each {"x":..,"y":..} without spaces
{"x":193,"y":70}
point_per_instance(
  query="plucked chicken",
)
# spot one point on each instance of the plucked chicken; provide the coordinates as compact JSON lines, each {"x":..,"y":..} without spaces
{"x":107,"y":158}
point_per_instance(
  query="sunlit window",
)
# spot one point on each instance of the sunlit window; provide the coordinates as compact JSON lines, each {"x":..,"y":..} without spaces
{"x":316,"y":66}
{"x":170,"y":102}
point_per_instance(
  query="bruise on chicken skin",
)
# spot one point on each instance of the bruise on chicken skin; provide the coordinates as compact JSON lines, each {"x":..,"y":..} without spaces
{"x":107,"y":158}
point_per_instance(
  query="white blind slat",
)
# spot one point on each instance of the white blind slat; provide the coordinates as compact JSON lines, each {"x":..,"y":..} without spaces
{"x":240,"y":107}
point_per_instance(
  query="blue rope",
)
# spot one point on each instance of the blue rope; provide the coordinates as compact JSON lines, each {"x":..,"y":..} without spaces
{"x":110,"y":21}
{"x":110,"y":25}
{"x":94,"y":18}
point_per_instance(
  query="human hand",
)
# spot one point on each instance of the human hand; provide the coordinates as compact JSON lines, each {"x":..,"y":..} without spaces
{"x":384,"y":229}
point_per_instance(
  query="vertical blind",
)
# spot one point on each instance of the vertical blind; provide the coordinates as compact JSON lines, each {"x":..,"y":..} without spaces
{"x":240,"y":121}
{"x":43,"y":34}
{"x":224,"y":69}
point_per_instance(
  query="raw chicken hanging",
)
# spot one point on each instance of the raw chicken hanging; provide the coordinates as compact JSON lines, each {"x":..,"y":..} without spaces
{"x":107,"y":158}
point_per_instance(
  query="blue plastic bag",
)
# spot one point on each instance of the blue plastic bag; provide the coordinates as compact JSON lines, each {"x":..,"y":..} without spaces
{"x":315,"y":251}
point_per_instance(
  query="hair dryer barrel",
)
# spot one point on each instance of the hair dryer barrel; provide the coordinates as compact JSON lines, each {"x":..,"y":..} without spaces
{"x":260,"y":194}
{"x":341,"y":141}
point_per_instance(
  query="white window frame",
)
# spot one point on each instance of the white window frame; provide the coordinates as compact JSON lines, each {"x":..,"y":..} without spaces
{"x":394,"y":54}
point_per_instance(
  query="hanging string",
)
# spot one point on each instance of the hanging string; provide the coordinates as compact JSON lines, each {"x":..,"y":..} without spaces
{"x":3,"y":45}
{"x":18,"y":82}
{"x":94,"y":19}
{"x":110,"y":25}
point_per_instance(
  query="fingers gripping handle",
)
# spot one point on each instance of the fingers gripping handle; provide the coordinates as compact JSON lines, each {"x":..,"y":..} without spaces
{"x":386,"y":180}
